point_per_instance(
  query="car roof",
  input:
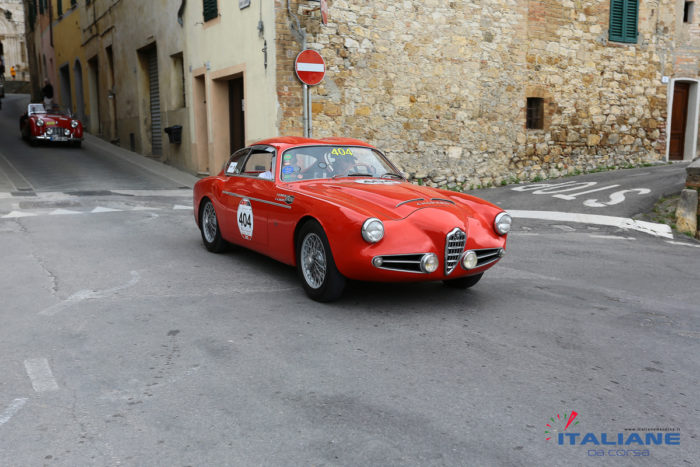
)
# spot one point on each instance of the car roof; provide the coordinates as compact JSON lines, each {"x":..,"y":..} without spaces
{"x":284,"y":142}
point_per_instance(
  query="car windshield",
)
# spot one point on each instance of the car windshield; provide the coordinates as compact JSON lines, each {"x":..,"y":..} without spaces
{"x":40,"y":109}
{"x":317,"y":162}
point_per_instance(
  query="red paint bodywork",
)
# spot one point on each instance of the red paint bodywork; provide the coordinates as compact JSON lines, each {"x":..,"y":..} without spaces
{"x":341,"y":206}
{"x":57,"y":123}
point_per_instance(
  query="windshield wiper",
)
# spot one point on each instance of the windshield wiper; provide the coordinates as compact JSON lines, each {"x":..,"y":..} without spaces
{"x":392,"y":175}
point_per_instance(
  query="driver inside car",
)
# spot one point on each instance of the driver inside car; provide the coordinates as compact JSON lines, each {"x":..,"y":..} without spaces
{"x":343,"y":165}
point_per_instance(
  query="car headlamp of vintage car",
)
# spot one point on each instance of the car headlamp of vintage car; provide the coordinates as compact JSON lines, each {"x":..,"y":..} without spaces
{"x":469,"y":260}
{"x":502,"y":223}
{"x":429,"y":263}
{"x":372,"y":230}
{"x":39,"y":122}
{"x":73,"y":123}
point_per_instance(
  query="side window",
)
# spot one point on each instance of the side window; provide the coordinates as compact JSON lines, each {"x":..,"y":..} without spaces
{"x":259,"y":162}
{"x":233,"y":166}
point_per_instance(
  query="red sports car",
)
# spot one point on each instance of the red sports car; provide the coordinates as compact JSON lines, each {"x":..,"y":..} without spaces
{"x":337,"y":209}
{"x":52,"y":124}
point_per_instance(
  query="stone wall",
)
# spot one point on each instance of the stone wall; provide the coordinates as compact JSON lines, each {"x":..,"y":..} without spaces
{"x":442,"y":86}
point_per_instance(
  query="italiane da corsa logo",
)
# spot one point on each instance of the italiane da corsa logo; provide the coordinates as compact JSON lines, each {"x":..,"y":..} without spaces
{"x":559,"y":424}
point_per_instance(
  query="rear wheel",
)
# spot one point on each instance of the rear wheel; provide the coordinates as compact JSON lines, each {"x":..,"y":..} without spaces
{"x":319,"y":276}
{"x":209,"y":226}
{"x":463,"y":282}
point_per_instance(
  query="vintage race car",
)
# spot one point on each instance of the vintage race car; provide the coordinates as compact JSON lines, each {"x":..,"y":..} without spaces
{"x":337,"y":209}
{"x":52,"y":125}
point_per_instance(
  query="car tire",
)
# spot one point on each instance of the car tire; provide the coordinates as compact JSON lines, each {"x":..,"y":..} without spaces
{"x":315,"y":264}
{"x":463,"y":282}
{"x":209,"y":227}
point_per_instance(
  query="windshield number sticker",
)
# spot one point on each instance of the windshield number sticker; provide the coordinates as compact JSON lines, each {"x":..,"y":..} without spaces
{"x":341,"y":152}
{"x":245,"y":219}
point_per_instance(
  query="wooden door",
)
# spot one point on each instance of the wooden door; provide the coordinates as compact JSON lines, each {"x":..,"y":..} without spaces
{"x":679,"y":117}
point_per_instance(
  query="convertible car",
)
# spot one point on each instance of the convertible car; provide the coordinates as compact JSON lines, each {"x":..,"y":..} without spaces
{"x":52,"y":124}
{"x":338,"y":209}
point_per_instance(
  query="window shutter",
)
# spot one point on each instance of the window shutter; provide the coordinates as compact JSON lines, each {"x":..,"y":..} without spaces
{"x":617,"y":9}
{"x":631,"y":15}
{"x":211,"y":9}
{"x":623,"y":20}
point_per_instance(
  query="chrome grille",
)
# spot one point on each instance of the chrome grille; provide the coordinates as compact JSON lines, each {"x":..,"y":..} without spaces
{"x":403,"y":263}
{"x":487,"y":256}
{"x":454,"y":246}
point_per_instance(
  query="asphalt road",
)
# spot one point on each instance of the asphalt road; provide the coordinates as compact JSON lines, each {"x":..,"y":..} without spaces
{"x":124,"y":342}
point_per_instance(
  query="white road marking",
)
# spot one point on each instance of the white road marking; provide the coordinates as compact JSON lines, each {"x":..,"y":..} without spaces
{"x":615,"y":198}
{"x":180,"y":206}
{"x":63,"y":212}
{"x":612,"y":237}
{"x":81,"y":295}
{"x":683,"y":244}
{"x":10,"y":411}
{"x":40,"y":373}
{"x":144,"y":208}
{"x":168,"y":193}
{"x":101,"y":209}
{"x":659,"y":230}
{"x":16,"y":214}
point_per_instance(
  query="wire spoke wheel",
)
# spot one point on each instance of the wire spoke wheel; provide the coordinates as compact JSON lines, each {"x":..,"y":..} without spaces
{"x":209,"y":224}
{"x":315,"y":264}
{"x":313,"y":261}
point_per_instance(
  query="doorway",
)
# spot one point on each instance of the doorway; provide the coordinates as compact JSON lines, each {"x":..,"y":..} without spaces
{"x":679,"y":117}
{"x":201,"y":125}
{"x":94,"y":86}
{"x":236,"y":104}
{"x":79,"y":100}
{"x":66,"y":98}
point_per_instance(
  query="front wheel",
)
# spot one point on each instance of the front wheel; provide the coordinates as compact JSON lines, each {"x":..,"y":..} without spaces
{"x":209,"y":226}
{"x":319,"y":276}
{"x":463,"y":282}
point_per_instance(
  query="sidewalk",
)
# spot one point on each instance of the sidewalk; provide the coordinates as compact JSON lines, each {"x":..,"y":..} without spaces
{"x":163,"y":170}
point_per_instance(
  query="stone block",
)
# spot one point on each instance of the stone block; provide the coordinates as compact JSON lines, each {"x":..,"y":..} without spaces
{"x":687,"y":212}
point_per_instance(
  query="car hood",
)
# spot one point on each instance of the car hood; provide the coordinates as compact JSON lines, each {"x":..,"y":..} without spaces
{"x":55,"y":120}
{"x":386,"y":199}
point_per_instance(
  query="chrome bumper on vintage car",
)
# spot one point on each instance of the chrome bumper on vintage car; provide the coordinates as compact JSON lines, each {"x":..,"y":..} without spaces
{"x":58,"y":135}
{"x":454,"y":254}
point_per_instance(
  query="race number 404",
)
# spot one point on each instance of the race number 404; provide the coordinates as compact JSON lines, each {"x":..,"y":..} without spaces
{"x":245,"y":219}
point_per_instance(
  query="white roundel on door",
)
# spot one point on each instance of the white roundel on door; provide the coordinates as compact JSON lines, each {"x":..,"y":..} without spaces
{"x":245,"y":219}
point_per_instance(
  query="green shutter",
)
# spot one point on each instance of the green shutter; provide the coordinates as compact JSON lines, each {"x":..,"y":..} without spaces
{"x":623,"y":20}
{"x":211,"y":9}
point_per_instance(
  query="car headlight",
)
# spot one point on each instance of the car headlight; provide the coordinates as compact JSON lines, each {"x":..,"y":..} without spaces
{"x":74,"y":124}
{"x":429,"y":263}
{"x":502,"y":223}
{"x":372,"y":230}
{"x":39,"y":122}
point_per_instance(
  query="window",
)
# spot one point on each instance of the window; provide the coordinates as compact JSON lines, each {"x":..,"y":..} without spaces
{"x":234,"y":164}
{"x":259,"y":161}
{"x":534,"y":119}
{"x":623,"y":20}
{"x":73,"y":3}
{"x":59,"y":7}
{"x":688,"y":11}
{"x":178,"y":81}
{"x":211,"y":10}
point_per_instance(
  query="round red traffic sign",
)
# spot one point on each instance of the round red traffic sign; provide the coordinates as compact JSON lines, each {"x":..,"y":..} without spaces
{"x":310,"y":67}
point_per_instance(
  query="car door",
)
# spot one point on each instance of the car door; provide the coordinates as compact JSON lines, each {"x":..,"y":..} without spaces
{"x":248,"y":194}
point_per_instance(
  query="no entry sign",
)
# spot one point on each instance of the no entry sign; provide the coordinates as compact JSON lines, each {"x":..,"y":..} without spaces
{"x":310,"y":67}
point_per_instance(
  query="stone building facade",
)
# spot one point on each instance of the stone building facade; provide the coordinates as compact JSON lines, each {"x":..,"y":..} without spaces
{"x":12,"y":37}
{"x":460,"y":93}
{"x":443,"y":86}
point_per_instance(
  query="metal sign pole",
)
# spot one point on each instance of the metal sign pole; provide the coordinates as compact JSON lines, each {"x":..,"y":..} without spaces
{"x":306,"y":110}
